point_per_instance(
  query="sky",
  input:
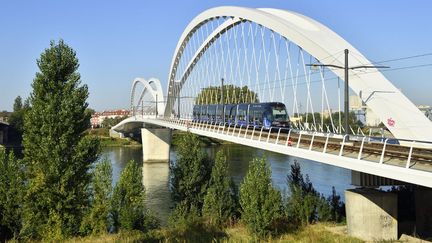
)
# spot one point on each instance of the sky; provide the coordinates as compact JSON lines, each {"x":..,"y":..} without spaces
{"x":117,"y":41}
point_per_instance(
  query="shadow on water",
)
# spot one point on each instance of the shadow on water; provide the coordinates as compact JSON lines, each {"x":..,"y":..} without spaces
{"x":156,"y":175}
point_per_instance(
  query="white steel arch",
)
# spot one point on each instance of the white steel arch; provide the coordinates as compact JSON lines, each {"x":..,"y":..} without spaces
{"x":156,"y":93}
{"x":398,"y":113}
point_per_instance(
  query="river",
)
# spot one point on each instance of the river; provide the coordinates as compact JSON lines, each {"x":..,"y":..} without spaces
{"x":156,"y":175}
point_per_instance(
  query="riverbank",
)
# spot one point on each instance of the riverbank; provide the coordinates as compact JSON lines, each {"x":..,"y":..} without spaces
{"x":320,"y":232}
{"x":107,"y":141}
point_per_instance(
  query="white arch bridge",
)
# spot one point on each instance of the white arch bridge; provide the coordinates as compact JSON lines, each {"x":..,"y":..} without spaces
{"x":265,"y":55}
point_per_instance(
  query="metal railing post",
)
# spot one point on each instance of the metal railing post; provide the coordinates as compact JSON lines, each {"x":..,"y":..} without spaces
{"x":288,"y":136}
{"x":259,"y":139}
{"x":361,"y":148}
{"x":343,"y":144}
{"x":326,"y":142}
{"x":247,"y":128}
{"x":268,"y":136}
{"x":410,"y":155}
{"x":383,"y":152}
{"x":277,"y":138}
{"x":312,"y":140}
{"x":298,"y":140}
{"x":253,"y":133}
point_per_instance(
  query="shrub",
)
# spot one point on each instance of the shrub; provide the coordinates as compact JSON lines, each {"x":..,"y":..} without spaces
{"x":98,"y":220}
{"x":129,"y":211}
{"x":190,"y":174}
{"x":11,"y":193}
{"x":220,"y":200}
{"x":261,"y":204}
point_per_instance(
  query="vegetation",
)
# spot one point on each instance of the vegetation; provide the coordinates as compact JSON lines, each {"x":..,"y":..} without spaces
{"x":220,"y":202}
{"x":232,"y":95}
{"x":261,"y":204}
{"x":98,"y":219}
{"x":238,"y":233}
{"x":129,"y":212}
{"x":110,"y":122}
{"x":317,"y":118}
{"x":305,"y":205}
{"x":56,"y":153}
{"x":11,"y":193}
{"x":190,"y":175}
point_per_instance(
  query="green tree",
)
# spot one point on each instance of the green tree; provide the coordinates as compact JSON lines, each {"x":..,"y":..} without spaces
{"x":11,"y":192}
{"x":16,"y":119}
{"x":232,"y":95}
{"x":306,"y":205}
{"x":261,"y":203}
{"x":190,"y":173}
{"x":57,"y":154}
{"x":129,"y":211}
{"x":98,"y":220}
{"x":302,"y":204}
{"x":220,"y":201}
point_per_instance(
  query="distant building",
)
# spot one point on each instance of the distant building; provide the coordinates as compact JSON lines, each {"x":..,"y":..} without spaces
{"x":97,"y":118}
{"x":4,"y":116}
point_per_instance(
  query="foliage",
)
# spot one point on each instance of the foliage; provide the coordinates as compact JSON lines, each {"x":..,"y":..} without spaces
{"x":232,"y":95}
{"x":98,"y":220}
{"x":11,"y":193}
{"x":129,"y":211}
{"x":16,"y":119}
{"x":220,"y":202}
{"x":306,"y":205}
{"x":261,"y":203}
{"x":316,"y":118}
{"x":190,"y":174}
{"x":301,"y":206}
{"x":56,"y":153}
{"x":110,"y":122}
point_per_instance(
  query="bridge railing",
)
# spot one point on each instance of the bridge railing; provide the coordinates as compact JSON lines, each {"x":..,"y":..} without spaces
{"x":381,"y":150}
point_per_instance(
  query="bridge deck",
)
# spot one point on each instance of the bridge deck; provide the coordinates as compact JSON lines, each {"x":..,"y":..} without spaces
{"x":399,"y":162}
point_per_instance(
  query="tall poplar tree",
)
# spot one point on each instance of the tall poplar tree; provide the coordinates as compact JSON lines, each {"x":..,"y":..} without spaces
{"x":56,"y":153}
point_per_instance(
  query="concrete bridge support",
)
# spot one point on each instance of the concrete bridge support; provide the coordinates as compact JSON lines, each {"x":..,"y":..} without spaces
{"x":156,"y":144}
{"x":374,"y":214}
{"x":371,"y":214}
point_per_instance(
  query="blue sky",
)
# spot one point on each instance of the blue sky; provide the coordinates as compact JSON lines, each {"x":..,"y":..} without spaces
{"x":117,"y":41}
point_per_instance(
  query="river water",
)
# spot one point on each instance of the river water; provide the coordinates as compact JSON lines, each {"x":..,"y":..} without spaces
{"x":156,"y":175}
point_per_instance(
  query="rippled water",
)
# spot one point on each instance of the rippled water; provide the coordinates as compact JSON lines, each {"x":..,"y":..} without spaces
{"x":156,"y":175}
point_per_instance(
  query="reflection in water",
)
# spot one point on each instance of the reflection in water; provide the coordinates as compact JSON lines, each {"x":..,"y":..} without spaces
{"x":156,"y":182}
{"x":156,"y":175}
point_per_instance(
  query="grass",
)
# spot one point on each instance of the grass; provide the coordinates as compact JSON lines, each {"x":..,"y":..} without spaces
{"x":116,"y":142}
{"x":313,"y":233}
{"x":107,"y":141}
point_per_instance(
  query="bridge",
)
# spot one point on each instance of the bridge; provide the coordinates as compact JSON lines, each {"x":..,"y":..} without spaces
{"x":234,"y":55}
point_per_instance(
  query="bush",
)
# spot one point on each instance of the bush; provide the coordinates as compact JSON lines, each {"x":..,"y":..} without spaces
{"x":190,"y":174}
{"x":11,"y":194}
{"x":306,"y":205}
{"x":220,"y":201}
{"x":98,"y":220}
{"x":129,"y":211}
{"x":261,"y":204}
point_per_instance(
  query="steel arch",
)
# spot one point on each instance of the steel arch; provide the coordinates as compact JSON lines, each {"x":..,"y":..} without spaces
{"x":156,"y":93}
{"x":373,"y":88}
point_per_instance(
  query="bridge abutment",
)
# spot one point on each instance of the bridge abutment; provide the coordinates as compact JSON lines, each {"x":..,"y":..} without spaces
{"x":156,"y":144}
{"x":372,"y":214}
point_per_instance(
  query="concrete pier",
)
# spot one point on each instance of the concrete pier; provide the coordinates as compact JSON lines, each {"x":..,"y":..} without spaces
{"x":156,"y":144}
{"x":371,"y":214}
{"x":423,"y":205}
